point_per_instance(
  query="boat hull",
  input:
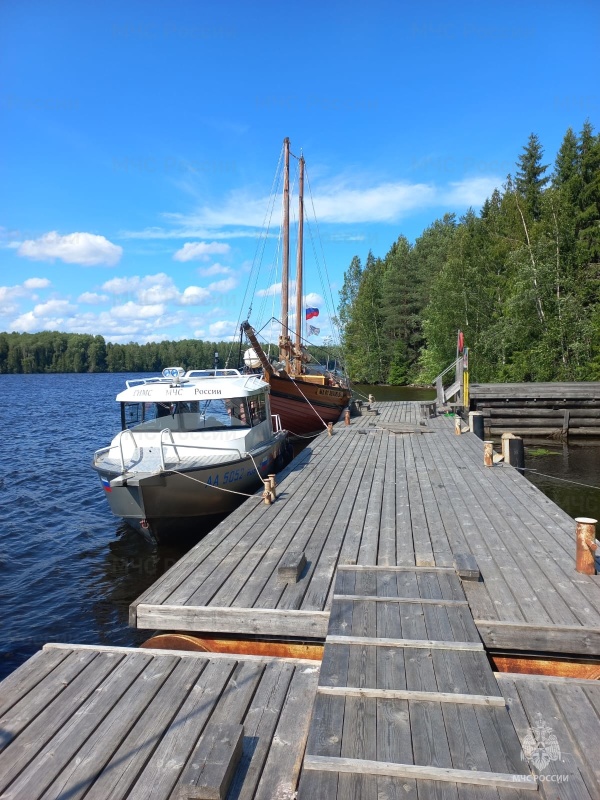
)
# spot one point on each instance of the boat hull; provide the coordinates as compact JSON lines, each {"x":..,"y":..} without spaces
{"x":289,"y":400}
{"x":169,"y":500}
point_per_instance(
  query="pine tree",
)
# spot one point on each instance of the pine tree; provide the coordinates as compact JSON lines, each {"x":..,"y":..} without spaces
{"x":530,"y":180}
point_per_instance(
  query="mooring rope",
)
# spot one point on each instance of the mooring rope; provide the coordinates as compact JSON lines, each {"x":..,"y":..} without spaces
{"x":556,"y":478}
{"x":309,"y":403}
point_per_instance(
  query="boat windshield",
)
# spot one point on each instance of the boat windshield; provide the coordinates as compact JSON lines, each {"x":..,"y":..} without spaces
{"x":197,"y":415}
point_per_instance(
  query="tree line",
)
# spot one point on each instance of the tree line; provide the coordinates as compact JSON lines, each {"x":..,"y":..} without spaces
{"x":52,"y":351}
{"x":521,"y":279}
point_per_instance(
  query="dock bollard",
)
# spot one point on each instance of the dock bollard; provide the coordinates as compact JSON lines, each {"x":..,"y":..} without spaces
{"x":585,"y":538}
{"x":488,"y":454}
{"x":476,"y":423}
{"x":330,"y":428}
{"x":272,"y":481}
{"x":347,"y":417}
{"x":371,"y":399}
{"x":513,"y":451}
{"x":457,"y":425}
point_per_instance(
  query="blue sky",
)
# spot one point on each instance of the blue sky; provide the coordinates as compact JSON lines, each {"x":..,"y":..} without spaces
{"x":140,"y":141}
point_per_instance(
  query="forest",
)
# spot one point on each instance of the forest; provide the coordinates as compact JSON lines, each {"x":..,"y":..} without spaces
{"x":521,"y":279}
{"x":51,"y":351}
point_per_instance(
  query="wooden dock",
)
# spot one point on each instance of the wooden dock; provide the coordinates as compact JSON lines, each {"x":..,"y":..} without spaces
{"x":387,"y":491}
{"x":109,"y":723}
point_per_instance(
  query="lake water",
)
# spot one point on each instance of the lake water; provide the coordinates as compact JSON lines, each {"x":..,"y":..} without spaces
{"x":68,"y":568}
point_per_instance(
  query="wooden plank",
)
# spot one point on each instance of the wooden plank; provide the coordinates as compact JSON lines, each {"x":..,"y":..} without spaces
{"x":133,"y":752}
{"x":258,"y":621}
{"x":408,"y":568}
{"x":544,"y":638}
{"x":66,"y":741}
{"x":286,"y":742}
{"x":39,"y":731}
{"x":475,"y":777}
{"x":208,"y":773}
{"x":416,"y":600}
{"x":400,"y":694}
{"x":49,"y":683}
{"x":160,"y":774}
{"x":466,"y":566}
{"x":291,"y":566}
{"x":414,"y":643}
{"x":27,"y":677}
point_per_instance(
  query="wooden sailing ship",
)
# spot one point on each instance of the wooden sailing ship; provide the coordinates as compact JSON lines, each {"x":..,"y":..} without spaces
{"x":305,"y":402}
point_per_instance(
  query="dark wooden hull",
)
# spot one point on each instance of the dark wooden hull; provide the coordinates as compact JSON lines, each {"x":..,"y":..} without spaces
{"x":296,"y":414}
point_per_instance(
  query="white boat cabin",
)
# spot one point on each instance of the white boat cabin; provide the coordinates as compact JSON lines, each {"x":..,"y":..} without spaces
{"x":198,"y":400}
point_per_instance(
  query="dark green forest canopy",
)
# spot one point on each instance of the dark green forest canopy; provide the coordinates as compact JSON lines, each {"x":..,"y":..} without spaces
{"x":51,"y":351}
{"x":521,"y":279}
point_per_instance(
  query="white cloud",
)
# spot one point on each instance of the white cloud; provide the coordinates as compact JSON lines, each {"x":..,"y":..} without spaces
{"x":36,"y":283}
{"x":201,"y":251}
{"x":45,"y":316}
{"x":470,"y":192}
{"x":87,"y":249}
{"x":223,"y":327}
{"x":92,"y":298}
{"x":194,"y":295}
{"x":314,"y":299}
{"x":148,"y":290}
{"x":133,"y":311}
{"x":226,"y":285}
{"x":215,"y":269}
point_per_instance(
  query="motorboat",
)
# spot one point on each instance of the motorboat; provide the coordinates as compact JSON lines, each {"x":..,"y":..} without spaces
{"x":192,"y":445}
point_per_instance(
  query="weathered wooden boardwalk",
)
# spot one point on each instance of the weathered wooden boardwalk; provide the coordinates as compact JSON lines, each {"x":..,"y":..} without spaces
{"x":407,"y":703}
{"x":106,"y":723}
{"x":370,"y":496}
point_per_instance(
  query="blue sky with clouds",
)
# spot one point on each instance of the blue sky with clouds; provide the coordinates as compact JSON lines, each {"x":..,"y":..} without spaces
{"x":140,"y":141}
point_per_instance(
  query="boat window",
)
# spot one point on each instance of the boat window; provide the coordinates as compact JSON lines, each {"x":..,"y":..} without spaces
{"x":198,"y":415}
{"x":258,"y":408}
{"x":134,"y":414}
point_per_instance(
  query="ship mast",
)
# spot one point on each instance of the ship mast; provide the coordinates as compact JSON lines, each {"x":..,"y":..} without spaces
{"x":299,"y":266}
{"x":284,"y":339}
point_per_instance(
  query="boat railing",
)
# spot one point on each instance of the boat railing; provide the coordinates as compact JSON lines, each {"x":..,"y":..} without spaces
{"x":171,"y":444}
{"x":120,"y":443}
{"x":235,"y":450}
{"x":276,"y":423}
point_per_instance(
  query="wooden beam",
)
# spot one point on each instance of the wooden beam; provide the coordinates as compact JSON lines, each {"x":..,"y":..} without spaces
{"x":577,"y":639}
{"x":213,"y":763}
{"x":368,"y":568}
{"x":466,"y":566}
{"x":422,"y":600}
{"x":404,"y":694}
{"x":499,"y":780}
{"x":418,"y":643}
{"x":291,"y":566}
{"x":257,"y":621}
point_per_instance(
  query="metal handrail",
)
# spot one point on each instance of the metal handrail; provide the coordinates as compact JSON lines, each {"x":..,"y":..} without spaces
{"x":173,"y":445}
{"x":441,"y":375}
{"x":121,"y":434}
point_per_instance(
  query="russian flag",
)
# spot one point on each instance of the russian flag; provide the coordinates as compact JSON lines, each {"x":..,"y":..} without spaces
{"x":105,"y":484}
{"x":312,"y":312}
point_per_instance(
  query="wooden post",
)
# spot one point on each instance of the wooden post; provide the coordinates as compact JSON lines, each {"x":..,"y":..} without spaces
{"x":505,"y":439}
{"x":488,"y":454}
{"x":457,"y":425}
{"x":585,"y":554}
